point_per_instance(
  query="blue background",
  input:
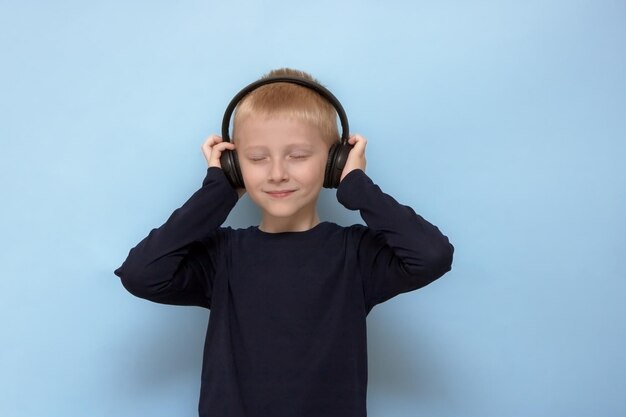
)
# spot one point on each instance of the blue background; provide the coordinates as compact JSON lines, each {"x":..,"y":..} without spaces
{"x":502,"y":122}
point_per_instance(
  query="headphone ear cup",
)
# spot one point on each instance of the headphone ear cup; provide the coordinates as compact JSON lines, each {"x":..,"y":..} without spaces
{"x":330,"y":162}
{"x":337,"y":157}
{"x":230,"y":166}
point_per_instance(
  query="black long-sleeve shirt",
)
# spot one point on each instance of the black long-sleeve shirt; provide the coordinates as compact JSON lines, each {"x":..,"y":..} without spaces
{"x":287,"y":330}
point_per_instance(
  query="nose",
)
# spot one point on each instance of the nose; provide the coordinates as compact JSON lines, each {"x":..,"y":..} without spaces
{"x":278,"y":171}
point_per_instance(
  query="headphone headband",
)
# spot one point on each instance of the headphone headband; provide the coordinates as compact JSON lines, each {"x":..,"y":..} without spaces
{"x":324,"y":92}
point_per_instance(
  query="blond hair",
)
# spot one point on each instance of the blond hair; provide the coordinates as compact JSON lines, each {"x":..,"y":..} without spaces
{"x":292,"y":101}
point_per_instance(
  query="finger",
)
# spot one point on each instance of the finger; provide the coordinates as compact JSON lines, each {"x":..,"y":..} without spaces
{"x":220,"y":147}
{"x":359,"y":143}
{"x":210,"y":141}
{"x":356,"y":138}
{"x":217,"y":150}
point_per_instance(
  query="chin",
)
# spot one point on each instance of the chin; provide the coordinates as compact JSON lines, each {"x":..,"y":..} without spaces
{"x":278,"y":213}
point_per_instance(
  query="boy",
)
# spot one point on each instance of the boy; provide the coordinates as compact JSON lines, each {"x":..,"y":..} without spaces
{"x":288,"y":298}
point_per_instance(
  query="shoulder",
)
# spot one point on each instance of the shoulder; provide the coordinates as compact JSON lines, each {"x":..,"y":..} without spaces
{"x":357,"y":235}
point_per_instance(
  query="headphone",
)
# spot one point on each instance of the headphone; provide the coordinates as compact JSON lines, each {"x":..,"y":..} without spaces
{"x":337,"y":156}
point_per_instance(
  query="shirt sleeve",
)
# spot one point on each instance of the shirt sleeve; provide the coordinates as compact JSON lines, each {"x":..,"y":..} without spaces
{"x":172,"y":265}
{"x":398,"y":251}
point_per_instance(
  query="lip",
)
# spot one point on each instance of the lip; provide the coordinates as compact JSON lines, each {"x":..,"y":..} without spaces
{"x":279,"y":193}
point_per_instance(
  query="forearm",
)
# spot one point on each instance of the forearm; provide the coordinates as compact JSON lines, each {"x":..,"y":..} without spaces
{"x":155,"y":268}
{"x":418,"y":245}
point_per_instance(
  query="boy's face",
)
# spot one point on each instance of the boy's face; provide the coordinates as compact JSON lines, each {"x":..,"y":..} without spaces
{"x":282,"y":163}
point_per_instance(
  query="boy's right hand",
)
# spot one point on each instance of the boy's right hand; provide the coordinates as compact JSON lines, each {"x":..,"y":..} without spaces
{"x":212,"y":149}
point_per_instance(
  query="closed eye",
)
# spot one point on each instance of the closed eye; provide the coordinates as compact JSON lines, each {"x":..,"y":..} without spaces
{"x":298,"y":156}
{"x":255,"y":158}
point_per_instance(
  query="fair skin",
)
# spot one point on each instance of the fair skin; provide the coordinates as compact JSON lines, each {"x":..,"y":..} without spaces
{"x":282,"y":162}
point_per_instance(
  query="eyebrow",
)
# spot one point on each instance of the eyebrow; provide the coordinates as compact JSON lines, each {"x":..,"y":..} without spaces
{"x":291,"y":146}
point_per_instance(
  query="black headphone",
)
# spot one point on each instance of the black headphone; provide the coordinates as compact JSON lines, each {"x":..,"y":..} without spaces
{"x":337,"y":156}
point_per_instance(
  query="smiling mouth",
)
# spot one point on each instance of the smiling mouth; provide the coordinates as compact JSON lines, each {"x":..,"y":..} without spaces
{"x":280,"y":194}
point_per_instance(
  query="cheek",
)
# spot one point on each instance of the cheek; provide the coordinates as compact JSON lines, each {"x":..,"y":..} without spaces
{"x":311,"y":172}
{"x":251,"y":173}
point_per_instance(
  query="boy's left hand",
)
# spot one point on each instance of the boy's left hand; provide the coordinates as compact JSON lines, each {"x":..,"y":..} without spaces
{"x":356,"y":157}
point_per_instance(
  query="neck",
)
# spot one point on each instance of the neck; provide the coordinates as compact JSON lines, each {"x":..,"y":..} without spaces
{"x":288,"y":224}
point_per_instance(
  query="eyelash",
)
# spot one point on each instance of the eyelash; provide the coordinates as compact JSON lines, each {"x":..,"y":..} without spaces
{"x":261,"y":158}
